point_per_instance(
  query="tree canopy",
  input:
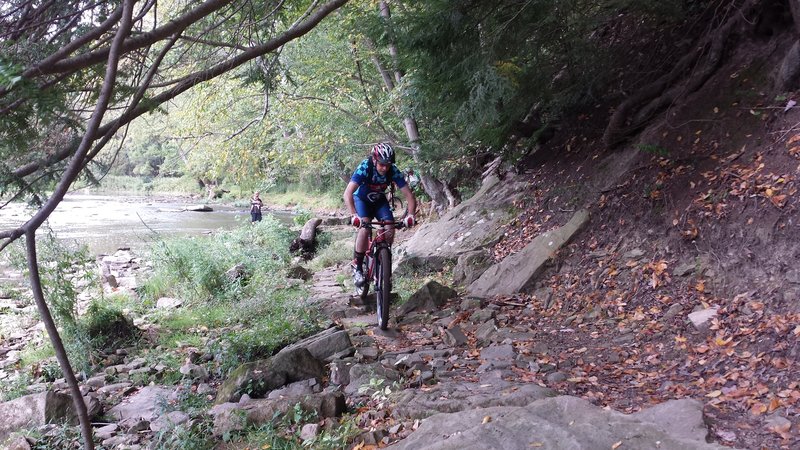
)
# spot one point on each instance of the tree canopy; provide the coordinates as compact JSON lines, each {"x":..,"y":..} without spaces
{"x":481,"y":79}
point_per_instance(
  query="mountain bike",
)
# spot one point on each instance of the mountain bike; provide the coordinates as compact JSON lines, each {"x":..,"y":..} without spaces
{"x":378,"y":267}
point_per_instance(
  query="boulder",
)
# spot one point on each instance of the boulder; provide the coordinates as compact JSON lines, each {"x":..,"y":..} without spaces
{"x":361,"y":375}
{"x":429,"y":297}
{"x":234,"y":417}
{"x":299,"y":273}
{"x":787,"y":76}
{"x":199,"y":208}
{"x":169,"y":420}
{"x":700,"y":318}
{"x":168,"y":303}
{"x":449,"y":397}
{"x":236,"y":272}
{"x":260,"y":377}
{"x":475,"y":223}
{"x":16,"y":442}
{"x":563,"y":422}
{"x":325,"y":344}
{"x":143,"y":405}
{"x":454,"y":337}
{"x":470,"y":266}
{"x":35,"y":410}
{"x":518,"y":271}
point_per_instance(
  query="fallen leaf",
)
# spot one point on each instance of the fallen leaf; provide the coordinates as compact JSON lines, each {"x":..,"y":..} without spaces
{"x":778,"y":200}
{"x":758,"y":408}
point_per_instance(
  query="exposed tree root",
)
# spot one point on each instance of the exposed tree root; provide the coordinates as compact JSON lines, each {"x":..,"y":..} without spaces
{"x":701,"y":63}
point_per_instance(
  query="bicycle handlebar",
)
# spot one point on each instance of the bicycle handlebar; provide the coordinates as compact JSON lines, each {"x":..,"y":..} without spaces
{"x":371,"y":224}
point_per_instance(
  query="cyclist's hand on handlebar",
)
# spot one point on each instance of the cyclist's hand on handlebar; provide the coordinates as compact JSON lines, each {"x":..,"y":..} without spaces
{"x":409,"y":221}
{"x":355,"y":221}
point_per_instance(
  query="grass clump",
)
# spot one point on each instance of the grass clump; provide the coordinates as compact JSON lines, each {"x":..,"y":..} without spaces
{"x":332,"y":254}
{"x":283,"y":433}
{"x":196,"y":268}
{"x":107,"y":327}
{"x":15,"y":386}
{"x":236,"y":318}
{"x":291,"y":195}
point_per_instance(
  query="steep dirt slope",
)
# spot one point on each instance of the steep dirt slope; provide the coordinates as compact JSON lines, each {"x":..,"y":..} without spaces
{"x":699,"y":212}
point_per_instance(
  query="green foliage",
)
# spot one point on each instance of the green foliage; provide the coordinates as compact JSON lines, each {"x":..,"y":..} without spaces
{"x":283,"y":433}
{"x":194,"y":435}
{"x":194,"y":268}
{"x":36,"y":353}
{"x":107,"y":327}
{"x":56,"y":437}
{"x":147,"y":185}
{"x":61,"y":270}
{"x":260,"y":313}
{"x":291,"y":194}
{"x":272,"y":323}
{"x":301,"y":216}
{"x":15,"y":386}
{"x":331,"y":254}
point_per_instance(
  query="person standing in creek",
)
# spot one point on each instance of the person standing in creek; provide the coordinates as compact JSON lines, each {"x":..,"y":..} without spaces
{"x":255,"y":207}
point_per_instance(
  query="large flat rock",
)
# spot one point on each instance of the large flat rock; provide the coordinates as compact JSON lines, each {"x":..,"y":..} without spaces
{"x":143,"y":405}
{"x":476,"y":223}
{"x":518,"y":271}
{"x":452,"y":397}
{"x":563,"y":423}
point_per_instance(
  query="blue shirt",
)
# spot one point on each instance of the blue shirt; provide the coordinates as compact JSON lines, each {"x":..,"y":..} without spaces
{"x":378,"y":183}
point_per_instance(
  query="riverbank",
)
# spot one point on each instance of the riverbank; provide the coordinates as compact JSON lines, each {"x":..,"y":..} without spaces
{"x":281,"y":199}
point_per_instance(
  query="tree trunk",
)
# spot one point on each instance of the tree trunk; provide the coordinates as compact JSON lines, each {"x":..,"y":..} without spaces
{"x":443,"y":199}
{"x":309,"y":232}
{"x":55,"y":340}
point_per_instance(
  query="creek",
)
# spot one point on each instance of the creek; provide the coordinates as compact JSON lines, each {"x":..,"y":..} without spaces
{"x":105,"y":223}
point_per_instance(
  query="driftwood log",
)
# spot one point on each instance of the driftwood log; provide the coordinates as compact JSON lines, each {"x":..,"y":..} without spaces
{"x":307,"y":242}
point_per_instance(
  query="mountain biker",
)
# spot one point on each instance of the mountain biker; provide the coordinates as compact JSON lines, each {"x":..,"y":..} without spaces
{"x":365,"y":197}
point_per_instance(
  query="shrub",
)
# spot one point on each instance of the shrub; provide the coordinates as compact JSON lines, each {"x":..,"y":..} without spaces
{"x":194,"y":268}
{"x":302,"y":216}
{"x":107,"y":327}
{"x":15,"y":387}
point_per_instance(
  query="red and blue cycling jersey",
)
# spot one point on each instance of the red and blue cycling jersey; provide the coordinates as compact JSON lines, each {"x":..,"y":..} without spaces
{"x":372,"y":188}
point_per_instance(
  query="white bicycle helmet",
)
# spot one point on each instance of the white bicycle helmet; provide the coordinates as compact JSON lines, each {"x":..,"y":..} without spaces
{"x":383,"y":153}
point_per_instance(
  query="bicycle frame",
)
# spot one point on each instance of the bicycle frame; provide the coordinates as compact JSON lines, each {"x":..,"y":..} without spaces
{"x":378,"y":241}
{"x":382,"y":278}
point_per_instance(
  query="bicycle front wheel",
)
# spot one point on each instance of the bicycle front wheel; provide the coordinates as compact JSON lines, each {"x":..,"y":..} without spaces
{"x":383,"y":286}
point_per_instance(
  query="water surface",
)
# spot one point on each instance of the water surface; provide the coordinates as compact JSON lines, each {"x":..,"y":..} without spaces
{"x":106,"y":223}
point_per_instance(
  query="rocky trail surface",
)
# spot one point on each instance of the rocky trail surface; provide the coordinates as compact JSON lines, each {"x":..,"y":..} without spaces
{"x":460,"y":376}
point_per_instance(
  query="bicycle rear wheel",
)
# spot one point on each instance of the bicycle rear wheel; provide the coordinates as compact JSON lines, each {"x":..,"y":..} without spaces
{"x":383,"y":286}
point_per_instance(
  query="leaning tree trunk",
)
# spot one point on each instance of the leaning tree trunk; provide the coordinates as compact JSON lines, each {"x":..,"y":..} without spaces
{"x":70,"y":174}
{"x":443,"y":199}
{"x":55,"y":340}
